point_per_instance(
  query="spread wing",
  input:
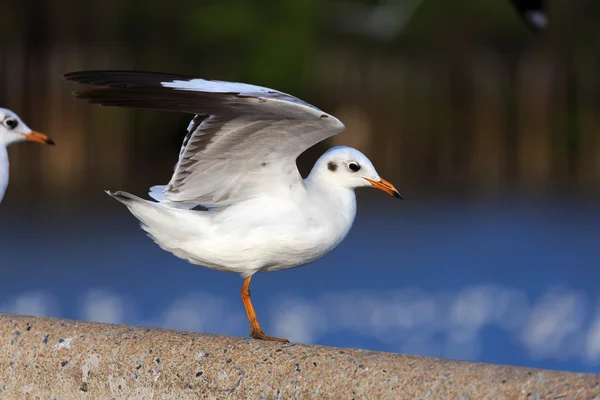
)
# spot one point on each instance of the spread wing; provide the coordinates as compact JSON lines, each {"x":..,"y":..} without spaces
{"x":243,"y":140}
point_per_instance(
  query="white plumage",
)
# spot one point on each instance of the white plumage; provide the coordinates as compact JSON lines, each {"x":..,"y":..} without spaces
{"x":238,"y":162}
{"x":13,"y":130}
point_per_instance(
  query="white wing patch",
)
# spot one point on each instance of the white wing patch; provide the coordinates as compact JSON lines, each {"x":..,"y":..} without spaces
{"x":202,"y":85}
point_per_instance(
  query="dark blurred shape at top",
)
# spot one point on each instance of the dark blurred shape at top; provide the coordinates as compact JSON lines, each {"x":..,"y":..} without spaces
{"x":533,"y":13}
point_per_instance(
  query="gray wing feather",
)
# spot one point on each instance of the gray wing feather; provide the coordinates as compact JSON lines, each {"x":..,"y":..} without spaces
{"x":243,"y":141}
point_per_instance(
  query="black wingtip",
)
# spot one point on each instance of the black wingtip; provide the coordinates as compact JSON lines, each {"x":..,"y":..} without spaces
{"x":122,"y":78}
{"x":74,"y":76}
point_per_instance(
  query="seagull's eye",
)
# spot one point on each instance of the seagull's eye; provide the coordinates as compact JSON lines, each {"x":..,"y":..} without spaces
{"x":353,"y":167}
{"x":11,"y":123}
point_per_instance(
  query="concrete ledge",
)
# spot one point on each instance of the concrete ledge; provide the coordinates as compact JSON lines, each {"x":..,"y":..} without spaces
{"x":44,"y":358}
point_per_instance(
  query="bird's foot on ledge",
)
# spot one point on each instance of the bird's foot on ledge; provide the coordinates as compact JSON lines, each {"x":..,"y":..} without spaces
{"x":263,"y":336}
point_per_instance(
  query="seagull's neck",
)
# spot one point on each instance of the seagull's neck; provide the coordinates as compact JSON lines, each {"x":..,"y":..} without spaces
{"x":334,"y":199}
{"x":3,"y":170}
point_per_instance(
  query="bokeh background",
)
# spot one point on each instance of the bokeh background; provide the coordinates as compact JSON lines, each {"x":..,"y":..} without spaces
{"x":489,"y":130}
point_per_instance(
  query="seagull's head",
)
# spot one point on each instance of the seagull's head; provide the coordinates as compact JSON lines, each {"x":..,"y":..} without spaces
{"x":13,"y":130}
{"x":351,"y":169}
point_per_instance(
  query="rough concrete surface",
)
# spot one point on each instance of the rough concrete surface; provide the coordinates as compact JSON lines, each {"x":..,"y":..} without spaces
{"x":45,"y":358}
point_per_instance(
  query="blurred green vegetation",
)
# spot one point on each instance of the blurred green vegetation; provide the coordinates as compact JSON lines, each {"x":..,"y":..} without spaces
{"x":439,"y":93}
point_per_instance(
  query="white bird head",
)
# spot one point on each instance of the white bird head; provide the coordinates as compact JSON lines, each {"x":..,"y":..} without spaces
{"x":351,"y":169}
{"x":13,"y":130}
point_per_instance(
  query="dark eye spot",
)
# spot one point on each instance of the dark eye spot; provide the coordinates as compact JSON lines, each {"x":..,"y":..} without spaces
{"x":331,"y":166}
{"x":11,"y":123}
{"x":353,"y":167}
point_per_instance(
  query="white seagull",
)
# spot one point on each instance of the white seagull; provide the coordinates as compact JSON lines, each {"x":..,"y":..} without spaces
{"x":238,"y":164}
{"x":13,"y":130}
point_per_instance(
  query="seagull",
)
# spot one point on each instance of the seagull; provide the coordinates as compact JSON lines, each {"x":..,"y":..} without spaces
{"x":236,"y":201}
{"x":13,"y":130}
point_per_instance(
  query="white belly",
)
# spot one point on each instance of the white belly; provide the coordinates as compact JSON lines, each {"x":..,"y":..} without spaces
{"x":262,"y":236}
{"x":266,"y":248}
{"x":246,"y":257}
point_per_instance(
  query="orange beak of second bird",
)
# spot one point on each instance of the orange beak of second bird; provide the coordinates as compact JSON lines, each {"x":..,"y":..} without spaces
{"x":38,"y":138}
{"x":386,"y":187}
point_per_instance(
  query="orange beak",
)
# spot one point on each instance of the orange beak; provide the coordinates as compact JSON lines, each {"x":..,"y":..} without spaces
{"x":39,"y":138}
{"x":385,"y":186}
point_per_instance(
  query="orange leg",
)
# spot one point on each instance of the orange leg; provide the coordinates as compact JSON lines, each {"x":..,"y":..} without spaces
{"x":256,"y":331}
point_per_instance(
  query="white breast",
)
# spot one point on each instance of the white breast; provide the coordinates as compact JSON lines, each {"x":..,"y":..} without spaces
{"x":271,"y":234}
{"x":3,"y":171}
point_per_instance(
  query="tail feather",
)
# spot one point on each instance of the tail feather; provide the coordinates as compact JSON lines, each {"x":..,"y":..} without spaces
{"x":145,"y":211}
{"x":151,"y":215}
{"x":123,"y":197}
{"x":166,"y":225}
